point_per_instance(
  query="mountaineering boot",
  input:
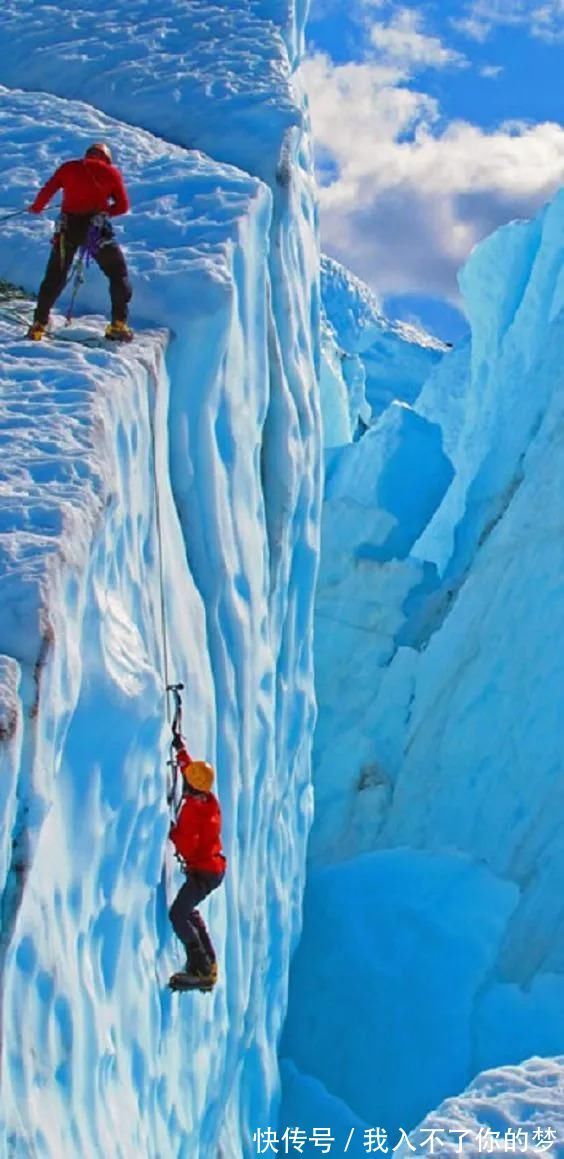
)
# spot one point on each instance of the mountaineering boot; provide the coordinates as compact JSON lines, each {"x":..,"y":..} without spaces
{"x":36,"y":331}
{"x":200,"y":966}
{"x":119,"y":332}
{"x":202,"y":976}
{"x":210,"y":978}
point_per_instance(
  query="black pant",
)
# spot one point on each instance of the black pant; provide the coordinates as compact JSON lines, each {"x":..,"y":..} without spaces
{"x":74,"y":232}
{"x":188,"y":923}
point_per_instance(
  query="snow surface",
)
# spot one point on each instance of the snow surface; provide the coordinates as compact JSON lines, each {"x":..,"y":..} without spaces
{"x":190,"y":215}
{"x":211,"y":76}
{"x":510,"y":1110}
{"x":97,"y":1057}
{"x":514,"y":1108}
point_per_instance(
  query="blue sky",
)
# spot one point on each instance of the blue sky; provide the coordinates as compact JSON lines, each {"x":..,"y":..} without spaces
{"x":434,"y":123}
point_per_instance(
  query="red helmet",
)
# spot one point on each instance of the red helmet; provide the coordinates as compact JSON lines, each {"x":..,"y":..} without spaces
{"x":101,"y":150}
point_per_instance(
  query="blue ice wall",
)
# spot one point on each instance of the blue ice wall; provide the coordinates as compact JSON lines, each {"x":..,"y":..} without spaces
{"x":223,"y":254}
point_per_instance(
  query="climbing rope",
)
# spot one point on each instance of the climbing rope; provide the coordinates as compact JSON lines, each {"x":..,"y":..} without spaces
{"x":175,"y":689}
{"x":160,"y":551}
{"x":8,"y":216}
{"x":170,"y":689}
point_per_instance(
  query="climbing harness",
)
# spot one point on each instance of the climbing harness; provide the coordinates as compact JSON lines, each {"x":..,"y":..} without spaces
{"x":85,"y":253}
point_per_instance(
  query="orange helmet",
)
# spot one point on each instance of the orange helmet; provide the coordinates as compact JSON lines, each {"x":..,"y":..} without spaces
{"x":199,"y":775}
{"x":101,"y":150}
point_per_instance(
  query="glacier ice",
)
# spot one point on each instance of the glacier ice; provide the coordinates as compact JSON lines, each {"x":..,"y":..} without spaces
{"x":223,"y":252}
{"x":380,"y":493}
{"x":215,"y":77}
{"x":435,"y":849}
{"x":344,"y":408}
{"x":397,"y":357}
{"x":508,"y":1107}
{"x":447,"y":743}
{"x":395,"y":945}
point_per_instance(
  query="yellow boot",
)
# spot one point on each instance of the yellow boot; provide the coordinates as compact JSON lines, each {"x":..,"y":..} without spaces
{"x":203,"y":976}
{"x":119,"y":332}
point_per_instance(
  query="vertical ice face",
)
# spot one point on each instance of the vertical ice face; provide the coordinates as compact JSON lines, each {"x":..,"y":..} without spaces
{"x":496,"y":744}
{"x":227,"y":257}
{"x":10,"y":755}
{"x":381,"y":491}
{"x":83,"y":894}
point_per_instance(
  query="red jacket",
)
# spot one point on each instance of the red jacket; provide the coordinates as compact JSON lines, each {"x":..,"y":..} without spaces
{"x":89,"y":185}
{"x":197,"y":832}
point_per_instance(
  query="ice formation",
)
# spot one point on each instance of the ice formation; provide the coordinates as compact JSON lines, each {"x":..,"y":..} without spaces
{"x":431,"y":948}
{"x":213,"y":411}
{"x":436,"y":852}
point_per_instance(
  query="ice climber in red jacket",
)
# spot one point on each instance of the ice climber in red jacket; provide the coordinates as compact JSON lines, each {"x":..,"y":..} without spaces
{"x":196,"y":835}
{"x":93,"y":192}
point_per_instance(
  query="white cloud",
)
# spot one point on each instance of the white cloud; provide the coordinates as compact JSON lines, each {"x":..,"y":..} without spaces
{"x":548,"y":21}
{"x":473,"y":27}
{"x":409,"y":197}
{"x":491,"y":71}
{"x":357,"y":106}
{"x":403,"y":41}
{"x":319,"y":9}
{"x":545,"y":21}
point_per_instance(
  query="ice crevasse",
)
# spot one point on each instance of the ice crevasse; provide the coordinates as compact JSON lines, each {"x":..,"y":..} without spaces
{"x":436,"y":850}
{"x":207,"y":427}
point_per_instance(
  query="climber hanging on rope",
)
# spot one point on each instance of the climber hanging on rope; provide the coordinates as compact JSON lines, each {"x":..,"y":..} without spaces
{"x":93,"y":192}
{"x":196,"y":835}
